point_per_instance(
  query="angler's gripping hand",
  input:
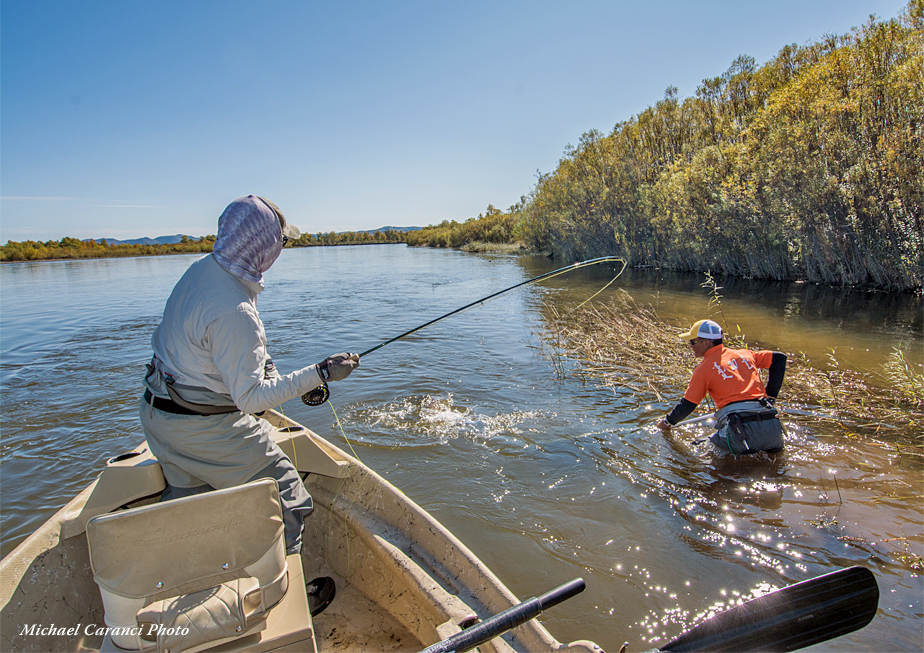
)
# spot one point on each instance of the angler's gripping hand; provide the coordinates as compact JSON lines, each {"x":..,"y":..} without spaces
{"x":338,"y":366}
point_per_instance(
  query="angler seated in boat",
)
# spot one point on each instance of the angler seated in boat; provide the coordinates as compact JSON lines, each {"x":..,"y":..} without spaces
{"x":211,"y":372}
{"x":199,"y":571}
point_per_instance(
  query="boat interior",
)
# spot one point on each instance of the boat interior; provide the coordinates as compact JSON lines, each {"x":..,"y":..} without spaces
{"x":118,"y":570}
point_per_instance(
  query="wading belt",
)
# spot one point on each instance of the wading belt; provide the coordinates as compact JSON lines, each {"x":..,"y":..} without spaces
{"x":179,"y":406}
{"x":767,"y":414}
{"x":166,"y":405}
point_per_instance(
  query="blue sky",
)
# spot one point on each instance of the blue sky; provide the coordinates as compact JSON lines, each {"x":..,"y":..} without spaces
{"x":131,"y":118}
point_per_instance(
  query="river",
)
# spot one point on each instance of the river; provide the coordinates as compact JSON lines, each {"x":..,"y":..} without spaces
{"x":544,"y":478}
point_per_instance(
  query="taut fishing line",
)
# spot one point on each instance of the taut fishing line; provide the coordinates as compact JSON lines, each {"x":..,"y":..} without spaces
{"x":321,"y":394}
{"x":329,"y":531}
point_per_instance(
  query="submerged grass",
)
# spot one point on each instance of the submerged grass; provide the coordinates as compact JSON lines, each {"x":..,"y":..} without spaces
{"x":620,"y":344}
{"x":480,"y":246}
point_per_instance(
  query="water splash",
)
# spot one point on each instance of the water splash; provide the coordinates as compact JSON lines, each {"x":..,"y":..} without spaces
{"x":438,"y":417}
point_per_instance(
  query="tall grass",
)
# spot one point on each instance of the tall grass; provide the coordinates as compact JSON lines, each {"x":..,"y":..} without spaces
{"x":622,"y":345}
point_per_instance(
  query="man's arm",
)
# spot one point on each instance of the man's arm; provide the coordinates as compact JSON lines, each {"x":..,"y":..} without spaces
{"x":680,"y":412}
{"x":777,"y":372}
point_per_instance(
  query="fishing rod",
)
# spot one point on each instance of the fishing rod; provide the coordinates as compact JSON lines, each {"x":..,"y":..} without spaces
{"x":696,"y":420}
{"x":320,"y":394}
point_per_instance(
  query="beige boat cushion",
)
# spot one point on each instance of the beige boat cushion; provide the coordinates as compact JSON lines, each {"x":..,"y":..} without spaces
{"x":191,"y":620}
{"x":183,"y":558}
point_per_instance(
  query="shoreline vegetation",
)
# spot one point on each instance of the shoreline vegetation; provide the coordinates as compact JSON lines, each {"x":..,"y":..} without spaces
{"x":71,"y":248}
{"x":807,"y":168}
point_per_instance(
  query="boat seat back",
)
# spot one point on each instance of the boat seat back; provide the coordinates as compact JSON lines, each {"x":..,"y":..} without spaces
{"x":190,"y":573}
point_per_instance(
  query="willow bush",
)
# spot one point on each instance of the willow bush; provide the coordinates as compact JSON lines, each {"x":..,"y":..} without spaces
{"x":808,"y":167}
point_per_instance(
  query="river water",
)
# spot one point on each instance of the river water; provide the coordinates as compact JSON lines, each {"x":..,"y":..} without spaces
{"x":543,"y":477}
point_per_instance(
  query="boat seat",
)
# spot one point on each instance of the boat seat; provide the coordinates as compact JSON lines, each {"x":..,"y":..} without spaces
{"x":198,"y":572}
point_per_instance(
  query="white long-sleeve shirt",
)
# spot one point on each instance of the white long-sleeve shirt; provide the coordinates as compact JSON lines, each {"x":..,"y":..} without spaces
{"x":211,"y":337}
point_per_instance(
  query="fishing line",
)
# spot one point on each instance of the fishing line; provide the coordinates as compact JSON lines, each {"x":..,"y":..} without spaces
{"x":321,"y":394}
{"x":547,"y":275}
{"x":342,"y":433}
{"x":783,"y":412}
{"x":329,"y":533}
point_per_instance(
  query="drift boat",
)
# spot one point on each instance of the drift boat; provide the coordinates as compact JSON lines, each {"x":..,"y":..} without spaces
{"x":117,"y":570}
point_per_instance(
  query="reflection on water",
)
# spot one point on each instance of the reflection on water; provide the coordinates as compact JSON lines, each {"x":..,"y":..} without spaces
{"x":544,"y":477}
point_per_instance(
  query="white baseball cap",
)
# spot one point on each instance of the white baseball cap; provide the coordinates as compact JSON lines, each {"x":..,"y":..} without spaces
{"x":703,"y":329}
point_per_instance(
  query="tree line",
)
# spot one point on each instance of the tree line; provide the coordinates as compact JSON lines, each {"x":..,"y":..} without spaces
{"x":349,"y":238}
{"x":806,"y":168}
{"x":72,"y":248}
{"x":493,"y":226}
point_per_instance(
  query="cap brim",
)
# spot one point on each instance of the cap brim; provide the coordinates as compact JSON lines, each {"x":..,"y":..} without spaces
{"x":689,"y":335}
{"x":291,"y":231}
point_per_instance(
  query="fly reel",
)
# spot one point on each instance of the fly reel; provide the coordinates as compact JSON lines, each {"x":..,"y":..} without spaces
{"x":317,"y":396}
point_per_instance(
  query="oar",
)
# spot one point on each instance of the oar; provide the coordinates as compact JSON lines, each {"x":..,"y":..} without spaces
{"x":506,"y":620}
{"x":794,"y":617}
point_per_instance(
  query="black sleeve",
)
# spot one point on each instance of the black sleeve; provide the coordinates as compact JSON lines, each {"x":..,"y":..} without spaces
{"x":681,"y":411}
{"x":777,"y":371}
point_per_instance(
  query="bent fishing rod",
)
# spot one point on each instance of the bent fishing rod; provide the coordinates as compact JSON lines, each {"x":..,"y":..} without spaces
{"x":320,"y":394}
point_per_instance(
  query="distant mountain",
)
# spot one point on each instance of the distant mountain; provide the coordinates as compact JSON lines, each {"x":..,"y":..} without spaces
{"x":372,"y":231}
{"x":162,"y":240}
{"x":171,"y":240}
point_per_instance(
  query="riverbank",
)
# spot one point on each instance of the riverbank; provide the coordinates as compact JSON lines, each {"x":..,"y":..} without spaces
{"x":806,"y":168}
{"x":14,"y":252}
{"x":17,"y":253}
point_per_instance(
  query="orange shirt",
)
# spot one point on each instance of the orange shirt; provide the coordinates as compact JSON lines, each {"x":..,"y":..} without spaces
{"x":729,"y":375}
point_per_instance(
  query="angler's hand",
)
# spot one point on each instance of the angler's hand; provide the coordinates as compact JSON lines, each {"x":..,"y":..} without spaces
{"x":664,"y":425}
{"x":338,"y":366}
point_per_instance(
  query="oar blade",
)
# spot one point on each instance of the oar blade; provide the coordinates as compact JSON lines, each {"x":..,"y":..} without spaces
{"x":794,"y":617}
